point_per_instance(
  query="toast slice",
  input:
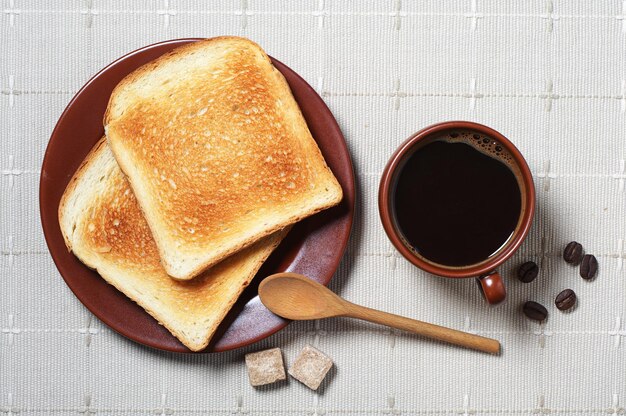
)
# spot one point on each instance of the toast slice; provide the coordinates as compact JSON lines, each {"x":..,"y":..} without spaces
{"x":216,"y":151}
{"x":104,"y":227}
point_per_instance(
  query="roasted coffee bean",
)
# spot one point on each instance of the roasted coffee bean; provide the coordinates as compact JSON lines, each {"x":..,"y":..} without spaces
{"x":534,"y":310}
{"x":565,"y":300}
{"x":527,"y":272}
{"x":573,"y":252}
{"x":588,"y":267}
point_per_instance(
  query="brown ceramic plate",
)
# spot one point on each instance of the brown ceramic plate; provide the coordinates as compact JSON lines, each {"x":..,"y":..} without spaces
{"x":314,"y":247}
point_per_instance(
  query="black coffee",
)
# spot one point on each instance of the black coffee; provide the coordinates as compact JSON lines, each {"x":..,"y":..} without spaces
{"x":456,"y":205}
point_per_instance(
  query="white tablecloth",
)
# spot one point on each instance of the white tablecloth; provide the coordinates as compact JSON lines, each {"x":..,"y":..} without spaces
{"x":550,"y":75}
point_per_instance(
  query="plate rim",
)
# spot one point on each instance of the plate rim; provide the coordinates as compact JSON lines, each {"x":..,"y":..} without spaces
{"x":48,"y":226}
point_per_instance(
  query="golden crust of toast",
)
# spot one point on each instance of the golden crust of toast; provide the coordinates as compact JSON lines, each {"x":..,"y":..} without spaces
{"x":104,"y":227}
{"x":216,"y":151}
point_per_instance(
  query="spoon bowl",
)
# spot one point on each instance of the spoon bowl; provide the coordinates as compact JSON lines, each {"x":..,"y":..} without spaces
{"x":297,"y":297}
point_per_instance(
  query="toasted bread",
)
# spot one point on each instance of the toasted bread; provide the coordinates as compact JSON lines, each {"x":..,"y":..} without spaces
{"x":104,"y":227}
{"x":216,"y":150}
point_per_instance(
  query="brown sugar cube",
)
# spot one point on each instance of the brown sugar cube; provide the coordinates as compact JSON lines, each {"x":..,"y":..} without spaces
{"x":265,"y":367}
{"x":310,"y":367}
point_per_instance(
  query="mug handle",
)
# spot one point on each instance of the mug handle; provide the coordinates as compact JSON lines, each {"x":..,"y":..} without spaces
{"x":492,"y":287}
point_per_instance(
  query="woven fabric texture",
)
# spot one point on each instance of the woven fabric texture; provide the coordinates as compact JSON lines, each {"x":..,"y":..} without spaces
{"x":550,"y":75}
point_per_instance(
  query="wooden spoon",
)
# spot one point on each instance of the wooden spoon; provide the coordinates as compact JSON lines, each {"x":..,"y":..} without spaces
{"x":294,"y":296}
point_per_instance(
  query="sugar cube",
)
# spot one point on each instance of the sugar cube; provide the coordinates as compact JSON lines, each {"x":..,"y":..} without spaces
{"x":265,"y":367}
{"x":310,"y":367}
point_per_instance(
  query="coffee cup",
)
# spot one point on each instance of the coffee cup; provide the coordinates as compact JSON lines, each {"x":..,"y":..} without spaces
{"x":457,"y":200}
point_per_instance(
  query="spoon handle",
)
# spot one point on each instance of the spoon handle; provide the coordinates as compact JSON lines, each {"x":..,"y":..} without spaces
{"x":437,"y":332}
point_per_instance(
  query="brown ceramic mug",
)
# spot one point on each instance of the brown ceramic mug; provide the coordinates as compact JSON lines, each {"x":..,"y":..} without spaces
{"x":490,"y":282}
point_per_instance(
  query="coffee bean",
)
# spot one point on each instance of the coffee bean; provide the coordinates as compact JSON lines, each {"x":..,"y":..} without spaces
{"x":588,"y":267}
{"x":534,"y":310}
{"x":573,"y":252}
{"x":527,"y":272}
{"x":565,"y":300}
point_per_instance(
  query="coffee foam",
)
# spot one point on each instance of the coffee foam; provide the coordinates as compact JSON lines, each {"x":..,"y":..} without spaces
{"x":484,"y":144}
